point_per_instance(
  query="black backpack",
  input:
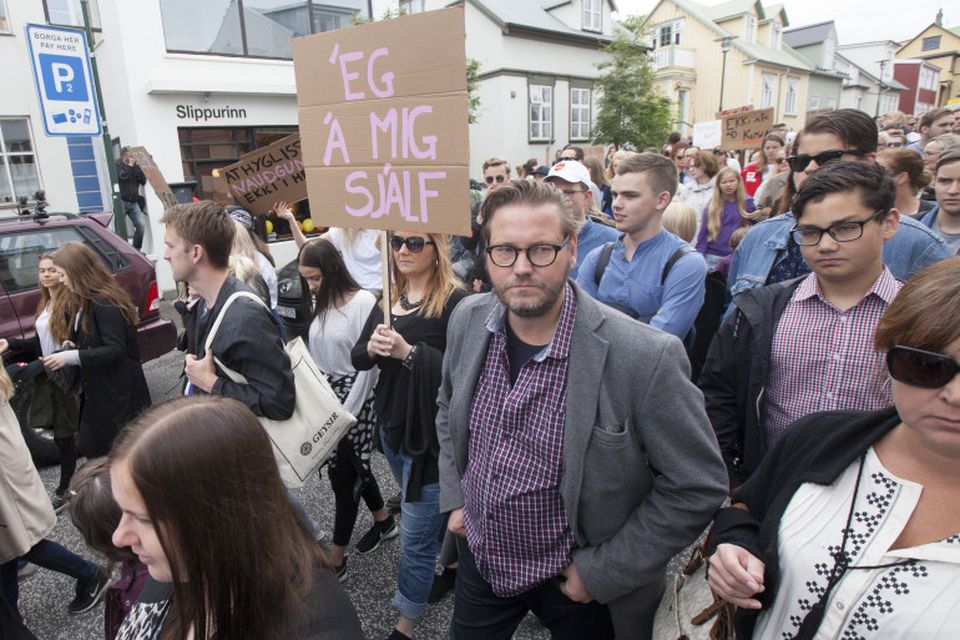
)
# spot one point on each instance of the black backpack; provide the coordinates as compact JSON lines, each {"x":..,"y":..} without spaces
{"x":697,"y":341}
{"x":604,"y":260}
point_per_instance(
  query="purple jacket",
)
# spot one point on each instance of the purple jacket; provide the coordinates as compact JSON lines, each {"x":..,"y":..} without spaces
{"x":730,"y":221}
{"x":121,"y":595}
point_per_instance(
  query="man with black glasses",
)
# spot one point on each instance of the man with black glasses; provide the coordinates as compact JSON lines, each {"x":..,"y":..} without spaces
{"x":575,"y":455}
{"x":768,"y":253}
{"x":806,"y":344}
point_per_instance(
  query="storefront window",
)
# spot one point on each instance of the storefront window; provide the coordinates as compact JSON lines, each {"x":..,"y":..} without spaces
{"x":255,"y":28}
{"x":68,"y":13}
{"x":4,"y":24}
{"x":18,"y":164}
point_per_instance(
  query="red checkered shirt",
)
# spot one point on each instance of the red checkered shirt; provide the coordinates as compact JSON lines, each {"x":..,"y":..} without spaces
{"x":824,"y":359}
{"x":515,"y":520}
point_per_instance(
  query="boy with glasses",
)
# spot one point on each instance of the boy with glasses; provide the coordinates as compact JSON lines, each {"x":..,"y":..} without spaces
{"x":648,"y":273}
{"x":806,"y":345}
{"x":768,"y":253}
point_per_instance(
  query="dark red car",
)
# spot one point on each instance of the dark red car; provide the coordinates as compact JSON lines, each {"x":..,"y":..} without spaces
{"x":23,"y":238}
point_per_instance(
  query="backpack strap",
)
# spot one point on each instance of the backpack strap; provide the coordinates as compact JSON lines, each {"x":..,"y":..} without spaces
{"x":673,"y":259}
{"x":604,"y":260}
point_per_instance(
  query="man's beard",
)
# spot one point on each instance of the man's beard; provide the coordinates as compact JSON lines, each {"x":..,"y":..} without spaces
{"x":529,"y":307}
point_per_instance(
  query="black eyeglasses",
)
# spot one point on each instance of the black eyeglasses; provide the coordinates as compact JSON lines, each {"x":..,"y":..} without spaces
{"x":568,"y":159}
{"x":539,"y":255}
{"x":919,"y":368}
{"x":499,"y":179}
{"x":801,"y":161}
{"x":415,"y":244}
{"x":846,"y":231}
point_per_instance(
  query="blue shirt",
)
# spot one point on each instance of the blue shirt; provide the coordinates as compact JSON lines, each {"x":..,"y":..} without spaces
{"x":672,"y":306}
{"x":592,"y":235}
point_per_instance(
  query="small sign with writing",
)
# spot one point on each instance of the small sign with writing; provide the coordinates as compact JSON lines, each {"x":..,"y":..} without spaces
{"x":707,"y":135}
{"x":383,"y":121}
{"x":267,"y":175}
{"x":746,"y":130}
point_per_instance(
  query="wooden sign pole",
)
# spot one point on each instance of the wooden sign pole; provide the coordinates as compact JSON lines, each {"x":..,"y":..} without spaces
{"x":385,"y":267}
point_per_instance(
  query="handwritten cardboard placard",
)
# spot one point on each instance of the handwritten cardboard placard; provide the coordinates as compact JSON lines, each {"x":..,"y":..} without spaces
{"x":152,"y":172}
{"x":267,"y":175}
{"x":746,"y":130}
{"x":383,"y":124}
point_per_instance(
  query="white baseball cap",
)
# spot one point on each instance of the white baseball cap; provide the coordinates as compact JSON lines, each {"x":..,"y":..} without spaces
{"x":571,"y":171}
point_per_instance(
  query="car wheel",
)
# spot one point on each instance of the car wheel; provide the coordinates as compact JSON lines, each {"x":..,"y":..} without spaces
{"x":43,"y":449}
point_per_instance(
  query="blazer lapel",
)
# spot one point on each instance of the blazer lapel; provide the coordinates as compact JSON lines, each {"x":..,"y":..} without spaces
{"x":588,"y":356}
{"x":470,"y":362}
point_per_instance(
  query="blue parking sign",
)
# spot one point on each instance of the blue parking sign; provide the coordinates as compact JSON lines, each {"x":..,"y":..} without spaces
{"x":62,"y":72}
{"x":63,"y":77}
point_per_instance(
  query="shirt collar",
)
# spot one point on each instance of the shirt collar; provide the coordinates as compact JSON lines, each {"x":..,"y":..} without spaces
{"x":559,"y":347}
{"x":885,"y":288}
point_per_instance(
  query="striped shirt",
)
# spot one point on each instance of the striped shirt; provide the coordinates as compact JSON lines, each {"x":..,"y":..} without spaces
{"x":515,"y":520}
{"x":823,"y":359}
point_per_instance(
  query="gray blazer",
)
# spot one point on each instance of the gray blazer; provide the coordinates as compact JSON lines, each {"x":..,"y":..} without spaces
{"x":642,"y":472}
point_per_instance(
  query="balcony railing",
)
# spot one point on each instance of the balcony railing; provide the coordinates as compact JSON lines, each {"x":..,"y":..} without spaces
{"x":667,"y":57}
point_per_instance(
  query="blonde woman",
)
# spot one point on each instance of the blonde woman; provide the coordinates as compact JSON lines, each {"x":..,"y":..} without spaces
{"x":680,"y":219}
{"x":242,"y":264}
{"x":724,"y":215}
{"x":409,"y":354}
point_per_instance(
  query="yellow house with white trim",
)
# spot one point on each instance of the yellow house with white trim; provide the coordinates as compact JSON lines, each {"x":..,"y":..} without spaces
{"x":687,"y":40}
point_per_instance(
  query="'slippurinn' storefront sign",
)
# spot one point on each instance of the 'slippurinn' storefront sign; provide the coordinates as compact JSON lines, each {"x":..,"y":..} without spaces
{"x":202,"y":114}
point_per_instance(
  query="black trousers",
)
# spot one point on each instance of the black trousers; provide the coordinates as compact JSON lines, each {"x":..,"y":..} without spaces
{"x":480,"y":614}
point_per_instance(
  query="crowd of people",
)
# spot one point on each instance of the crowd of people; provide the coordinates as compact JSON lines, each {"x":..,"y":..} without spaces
{"x":624,"y":353}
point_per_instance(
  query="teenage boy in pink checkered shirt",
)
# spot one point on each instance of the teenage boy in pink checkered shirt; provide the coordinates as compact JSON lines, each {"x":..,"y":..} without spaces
{"x":806,"y":345}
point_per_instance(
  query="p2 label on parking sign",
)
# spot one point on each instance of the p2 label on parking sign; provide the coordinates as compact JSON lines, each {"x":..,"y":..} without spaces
{"x":64,"y":80}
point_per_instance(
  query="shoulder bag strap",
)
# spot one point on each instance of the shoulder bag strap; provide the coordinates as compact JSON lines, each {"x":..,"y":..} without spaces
{"x":236,"y":377}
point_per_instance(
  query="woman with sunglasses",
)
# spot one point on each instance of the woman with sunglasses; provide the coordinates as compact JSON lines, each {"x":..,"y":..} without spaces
{"x":851,"y":526}
{"x":409,"y":354}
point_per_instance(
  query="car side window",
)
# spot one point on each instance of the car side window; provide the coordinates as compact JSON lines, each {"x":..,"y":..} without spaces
{"x":20,"y":254}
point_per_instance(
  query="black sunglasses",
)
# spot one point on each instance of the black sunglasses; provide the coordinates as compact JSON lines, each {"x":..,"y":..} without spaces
{"x":499,"y":179}
{"x":415,"y":244}
{"x":801,"y":161}
{"x":919,"y":368}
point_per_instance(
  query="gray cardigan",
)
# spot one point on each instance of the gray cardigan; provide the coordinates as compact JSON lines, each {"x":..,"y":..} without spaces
{"x":642,"y":471}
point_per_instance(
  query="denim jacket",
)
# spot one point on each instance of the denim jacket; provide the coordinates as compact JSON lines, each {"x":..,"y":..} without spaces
{"x":930,"y":217}
{"x":912,"y":248}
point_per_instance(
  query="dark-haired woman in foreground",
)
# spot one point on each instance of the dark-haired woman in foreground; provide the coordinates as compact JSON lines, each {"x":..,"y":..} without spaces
{"x":205,"y":510}
{"x":850,"y":528}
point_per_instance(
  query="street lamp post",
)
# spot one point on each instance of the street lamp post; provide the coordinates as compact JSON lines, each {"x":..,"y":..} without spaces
{"x":724,"y":47}
{"x":883,"y":64}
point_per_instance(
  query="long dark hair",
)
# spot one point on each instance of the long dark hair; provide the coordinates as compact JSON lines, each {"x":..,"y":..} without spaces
{"x":89,"y":280}
{"x":241,"y":560}
{"x":337,"y":282}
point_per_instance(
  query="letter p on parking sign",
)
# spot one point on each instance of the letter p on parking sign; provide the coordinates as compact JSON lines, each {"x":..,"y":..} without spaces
{"x":62,"y":71}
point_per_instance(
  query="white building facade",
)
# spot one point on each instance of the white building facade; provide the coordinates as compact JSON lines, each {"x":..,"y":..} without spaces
{"x":198,"y":84}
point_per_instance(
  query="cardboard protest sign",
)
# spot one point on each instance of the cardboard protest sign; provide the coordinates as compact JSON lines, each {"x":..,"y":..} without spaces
{"x":383,"y":124}
{"x":707,"y":135}
{"x":746,"y":130}
{"x":267,"y":175}
{"x":153,"y":175}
